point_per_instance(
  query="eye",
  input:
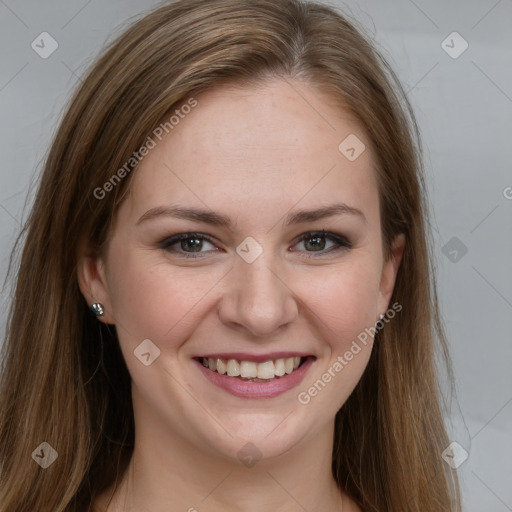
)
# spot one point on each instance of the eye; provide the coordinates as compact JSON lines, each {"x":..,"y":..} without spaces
{"x":317,"y":241}
{"x":189,"y":243}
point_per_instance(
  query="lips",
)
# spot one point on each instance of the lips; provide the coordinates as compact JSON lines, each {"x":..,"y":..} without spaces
{"x":255,"y":376}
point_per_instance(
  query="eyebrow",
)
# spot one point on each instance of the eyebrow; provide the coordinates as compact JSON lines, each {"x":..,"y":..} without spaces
{"x":217,"y":219}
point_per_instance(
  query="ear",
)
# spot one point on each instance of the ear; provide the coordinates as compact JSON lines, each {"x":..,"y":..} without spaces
{"x":93,"y":284}
{"x":389,"y":273}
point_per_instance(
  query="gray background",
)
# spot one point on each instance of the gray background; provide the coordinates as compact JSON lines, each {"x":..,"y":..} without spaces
{"x":464,"y":107}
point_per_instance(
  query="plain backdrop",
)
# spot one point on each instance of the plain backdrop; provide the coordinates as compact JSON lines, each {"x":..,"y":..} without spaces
{"x":462,"y":97}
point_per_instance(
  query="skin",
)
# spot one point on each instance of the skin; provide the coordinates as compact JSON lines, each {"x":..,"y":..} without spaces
{"x":255,"y":155}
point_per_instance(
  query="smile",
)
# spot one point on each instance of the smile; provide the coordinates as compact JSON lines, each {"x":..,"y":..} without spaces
{"x":254,"y":372}
{"x":244,"y":378}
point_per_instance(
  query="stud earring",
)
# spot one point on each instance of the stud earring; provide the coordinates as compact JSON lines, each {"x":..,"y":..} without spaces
{"x":97,"y":309}
{"x":378,"y":327}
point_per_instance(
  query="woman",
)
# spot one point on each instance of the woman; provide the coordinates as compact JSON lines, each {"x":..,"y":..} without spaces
{"x":224,"y":299}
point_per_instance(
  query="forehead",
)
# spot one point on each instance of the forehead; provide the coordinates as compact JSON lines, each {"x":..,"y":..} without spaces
{"x":257,"y":149}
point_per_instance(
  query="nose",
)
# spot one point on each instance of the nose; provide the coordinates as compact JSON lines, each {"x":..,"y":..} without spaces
{"x":257,"y":298}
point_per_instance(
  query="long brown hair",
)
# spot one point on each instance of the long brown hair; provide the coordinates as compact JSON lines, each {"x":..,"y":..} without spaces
{"x":64,"y":380}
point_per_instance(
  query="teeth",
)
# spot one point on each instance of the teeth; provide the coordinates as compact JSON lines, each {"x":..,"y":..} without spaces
{"x":288,"y":365}
{"x":279,"y":367}
{"x":222,"y":367}
{"x":233,"y":368}
{"x":248,"y":369}
{"x":266,"y":370}
{"x":251,"y":370}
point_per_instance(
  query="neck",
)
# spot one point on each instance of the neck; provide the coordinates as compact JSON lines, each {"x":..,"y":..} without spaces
{"x":167,"y":473}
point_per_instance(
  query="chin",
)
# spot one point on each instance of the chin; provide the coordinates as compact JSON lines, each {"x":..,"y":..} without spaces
{"x":262,"y":436}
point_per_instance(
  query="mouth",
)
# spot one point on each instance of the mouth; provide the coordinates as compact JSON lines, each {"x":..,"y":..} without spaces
{"x":251,"y":371}
{"x":257,"y":377}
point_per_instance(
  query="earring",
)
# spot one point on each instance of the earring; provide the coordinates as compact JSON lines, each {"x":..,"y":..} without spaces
{"x":97,"y":309}
{"x":381,"y":326}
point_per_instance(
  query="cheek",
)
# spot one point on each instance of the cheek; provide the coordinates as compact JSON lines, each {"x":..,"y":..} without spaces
{"x":344,"y":305}
{"x":155,"y":300}
{"x":159,"y":303}
{"x":344,"y":298}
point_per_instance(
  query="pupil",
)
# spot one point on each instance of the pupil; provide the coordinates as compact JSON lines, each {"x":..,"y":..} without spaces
{"x":317,"y":244}
{"x":196,"y":243}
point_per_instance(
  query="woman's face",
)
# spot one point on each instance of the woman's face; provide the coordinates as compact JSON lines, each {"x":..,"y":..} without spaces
{"x":251,"y":175}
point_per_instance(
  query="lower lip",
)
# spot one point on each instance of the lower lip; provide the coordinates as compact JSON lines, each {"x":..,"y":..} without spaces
{"x":246,"y":389}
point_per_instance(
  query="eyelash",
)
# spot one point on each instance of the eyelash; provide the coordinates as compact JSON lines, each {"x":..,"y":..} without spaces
{"x":341,"y":242}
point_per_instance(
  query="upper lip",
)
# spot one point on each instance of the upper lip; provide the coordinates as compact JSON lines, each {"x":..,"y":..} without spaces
{"x":257,"y":358}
